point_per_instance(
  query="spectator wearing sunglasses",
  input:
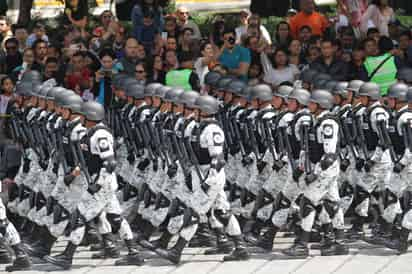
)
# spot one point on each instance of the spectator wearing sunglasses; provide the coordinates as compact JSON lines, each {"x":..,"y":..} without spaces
{"x":13,"y":57}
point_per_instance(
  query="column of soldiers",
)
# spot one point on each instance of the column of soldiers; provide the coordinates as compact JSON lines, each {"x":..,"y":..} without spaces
{"x":225,"y":171}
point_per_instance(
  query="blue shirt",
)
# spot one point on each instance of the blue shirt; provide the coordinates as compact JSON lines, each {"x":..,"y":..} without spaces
{"x":232,"y":59}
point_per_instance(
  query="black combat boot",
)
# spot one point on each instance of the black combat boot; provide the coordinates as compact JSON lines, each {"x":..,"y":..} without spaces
{"x":5,"y":256}
{"x":22,"y":261}
{"x":356,"y":231}
{"x":133,"y":257}
{"x":91,"y":237}
{"x":203,"y":237}
{"x":300,"y":247}
{"x":162,"y":242}
{"x":43,"y":246}
{"x":266,"y":240}
{"x":223,"y":245}
{"x":399,"y":243}
{"x":240,"y":253}
{"x":64,"y":259}
{"x":174,"y":254}
{"x":254,"y":228}
{"x":333,"y":246}
{"x":110,"y":249}
{"x":144,"y":238}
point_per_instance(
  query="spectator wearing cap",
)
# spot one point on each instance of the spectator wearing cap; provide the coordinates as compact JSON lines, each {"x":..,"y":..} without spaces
{"x":5,"y":30}
{"x":380,"y":14}
{"x":39,"y":33}
{"x":234,"y":57}
{"x":184,"y":22}
{"x":184,"y":77}
{"x":13,"y":57}
{"x":147,"y":33}
{"x":145,"y":6}
{"x":21,"y":34}
{"x":381,"y":69}
{"x":328,"y":63}
{"x":308,"y":17}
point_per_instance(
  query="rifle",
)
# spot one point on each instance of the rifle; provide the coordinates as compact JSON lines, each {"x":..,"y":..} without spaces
{"x":285,"y":139}
{"x":252,"y":137}
{"x":270,"y":140}
{"x":386,"y":141}
{"x":238,"y":136}
{"x":60,"y":149}
{"x":79,"y":160}
{"x":304,"y":135}
{"x":361,"y":136}
{"x":349,"y":139}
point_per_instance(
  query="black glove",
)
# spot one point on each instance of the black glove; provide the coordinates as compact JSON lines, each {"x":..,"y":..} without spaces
{"x":55,"y":168}
{"x":360,"y":163}
{"x":344,"y":164}
{"x":369,"y":165}
{"x":171,"y":171}
{"x":398,"y":167}
{"x":310,"y":178}
{"x":296,"y":174}
{"x":131,"y":158}
{"x":26,"y":165}
{"x":247,"y":161}
{"x":94,"y":188}
{"x":261,"y":165}
{"x":43,"y":164}
{"x":205,"y":187}
{"x":188,"y":181}
{"x":68,"y":179}
{"x":278,"y":165}
{"x":143,"y":164}
{"x":155,"y":165}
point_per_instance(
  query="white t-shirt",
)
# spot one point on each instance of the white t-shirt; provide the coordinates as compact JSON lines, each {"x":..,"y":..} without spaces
{"x":201,"y":71}
{"x":277,"y":76}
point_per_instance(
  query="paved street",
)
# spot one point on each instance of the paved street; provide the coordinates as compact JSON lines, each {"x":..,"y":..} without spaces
{"x":363,"y":259}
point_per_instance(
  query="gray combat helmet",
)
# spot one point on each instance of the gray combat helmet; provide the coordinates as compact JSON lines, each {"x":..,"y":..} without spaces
{"x":211,"y":78}
{"x":124,"y":83}
{"x":409,"y":95}
{"x":354,"y":86}
{"x":31,"y":76}
{"x":371,"y":90}
{"x":404,"y":74}
{"x":150,"y":89}
{"x":73,"y":102}
{"x":188,"y":98}
{"x":301,"y":95}
{"x":398,"y":91}
{"x":331,"y":85}
{"x":173,"y":94}
{"x":245,"y":93}
{"x":323,"y":98}
{"x":320,"y":83}
{"x":61,"y":96}
{"x":236,"y":86}
{"x":93,"y":111}
{"x":283,"y":91}
{"x":308,"y":75}
{"x":24,"y":89}
{"x":207,"y":104}
{"x":118,"y":79}
{"x":162,"y":91}
{"x":341,"y":89}
{"x":261,"y":92}
{"x":135,"y":90}
{"x":224,"y":82}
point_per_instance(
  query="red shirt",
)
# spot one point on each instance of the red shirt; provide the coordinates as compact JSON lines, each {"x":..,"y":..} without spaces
{"x":316,"y":21}
{"x":82,"y":79}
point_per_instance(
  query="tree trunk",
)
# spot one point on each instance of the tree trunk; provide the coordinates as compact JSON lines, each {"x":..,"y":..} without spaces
{"x":25,"y":12}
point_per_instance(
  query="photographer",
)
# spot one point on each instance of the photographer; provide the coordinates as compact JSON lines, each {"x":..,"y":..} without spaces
{"x":234,"y":57}
{"x":102,"y":86}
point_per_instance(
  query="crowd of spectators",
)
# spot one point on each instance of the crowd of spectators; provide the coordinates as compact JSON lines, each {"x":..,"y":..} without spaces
{"x":171,"y":49}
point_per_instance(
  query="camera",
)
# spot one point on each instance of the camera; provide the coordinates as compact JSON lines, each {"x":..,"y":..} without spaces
{"x":231,"y":40}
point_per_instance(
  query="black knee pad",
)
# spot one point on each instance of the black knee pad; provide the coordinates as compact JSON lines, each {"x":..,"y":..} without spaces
{"x":50,"y":203}
{"x":389,"y":198}
{"x":40,"y":201}
{"x":77,"y":220}
{"x":306,"y":206}
{"x":222,"y":216}
{"x":32,"y":199}
{"x":282,"y":202}
{"x":360,"y":195}
{"x":176,"y":208}
{"x":331,"y":207}
{"x":190,"y":217}
{"x":60,"y":214}
{"x":346,"y":189}
{"x":129,"y":192}
{"x":115,"y":221}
